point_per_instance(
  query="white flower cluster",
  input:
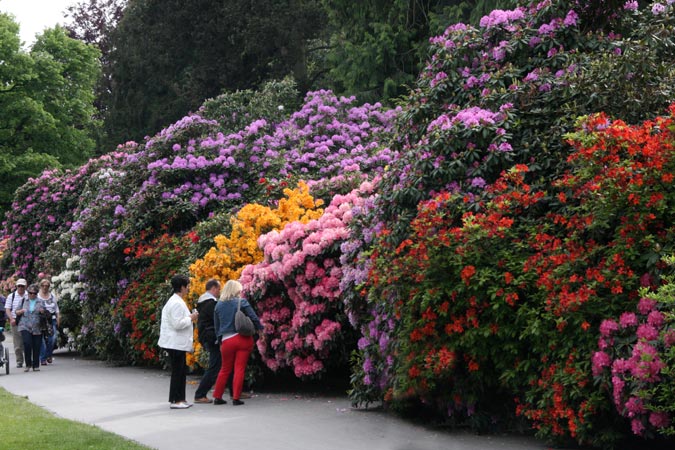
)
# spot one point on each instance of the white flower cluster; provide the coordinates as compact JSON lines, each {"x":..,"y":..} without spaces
{"x":110,"y":173}
{"x":67,"y":285}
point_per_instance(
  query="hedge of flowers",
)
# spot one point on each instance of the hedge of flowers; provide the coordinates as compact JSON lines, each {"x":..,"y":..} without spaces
{"x":493,"y":97}
{"x":506,"y":92}
{"x":496,"y":304}
{"x":483,"y":255}
{"x":186,"y":174}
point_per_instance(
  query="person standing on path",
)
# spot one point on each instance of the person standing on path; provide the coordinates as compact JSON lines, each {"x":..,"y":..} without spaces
{"x":207,"y":336}
{"x":53,"y":321}
{"x":29,"y":326}
{"x":235,"y":349}
{"x":175,"y":336}
{"x":13,"y":302}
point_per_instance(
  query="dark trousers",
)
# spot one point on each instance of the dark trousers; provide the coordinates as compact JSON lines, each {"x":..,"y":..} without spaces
{"x":211,"y":372}
{"x":178,"y":375}
{"x":31,"y":348}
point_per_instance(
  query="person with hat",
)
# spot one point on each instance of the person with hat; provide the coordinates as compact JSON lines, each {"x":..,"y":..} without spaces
{"x":13,"y":302}
{"x":30,"y":327}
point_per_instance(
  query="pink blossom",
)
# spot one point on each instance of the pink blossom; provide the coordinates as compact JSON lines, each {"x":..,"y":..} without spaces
{"x":659,"y":419}
{"x":645,"y":364}
{"x":634,"y":407}
{"x":607,"y":327}
{"x":600,"y":361}
{"x":669,"y":338}
{"x":647,"y":332}
{"x":637,"y":427}
{"x":655,"y":319}
{"x":646,"y":305}
{"x":628,"y":319}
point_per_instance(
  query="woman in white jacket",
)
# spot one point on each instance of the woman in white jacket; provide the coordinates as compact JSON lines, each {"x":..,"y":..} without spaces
{"x":175,"y":335}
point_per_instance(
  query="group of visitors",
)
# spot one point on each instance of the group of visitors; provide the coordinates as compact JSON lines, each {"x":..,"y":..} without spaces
{"x":228,"y":349}
{"x":33,"y":314}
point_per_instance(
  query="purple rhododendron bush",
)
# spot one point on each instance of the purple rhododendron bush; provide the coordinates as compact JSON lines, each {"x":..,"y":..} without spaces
{"x":175,"y":180}
{"x":497,"y":252}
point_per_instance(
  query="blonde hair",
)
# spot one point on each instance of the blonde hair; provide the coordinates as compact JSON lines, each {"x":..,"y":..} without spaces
{"x":231,"y":290}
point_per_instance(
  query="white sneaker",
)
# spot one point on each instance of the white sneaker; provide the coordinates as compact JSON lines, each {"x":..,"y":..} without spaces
{"x":180,"y":405}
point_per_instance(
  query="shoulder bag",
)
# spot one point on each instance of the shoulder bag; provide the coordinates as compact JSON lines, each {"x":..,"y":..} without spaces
{"x":242,"y":323}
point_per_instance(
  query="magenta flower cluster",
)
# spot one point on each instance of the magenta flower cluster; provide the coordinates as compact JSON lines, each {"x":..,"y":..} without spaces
{"x":633,"y":371}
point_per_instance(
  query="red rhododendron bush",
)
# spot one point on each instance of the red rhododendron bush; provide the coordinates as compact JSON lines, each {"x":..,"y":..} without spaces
{"x":521,"y":303}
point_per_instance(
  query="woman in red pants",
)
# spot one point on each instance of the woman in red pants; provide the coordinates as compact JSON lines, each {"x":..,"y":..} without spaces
{"x":234,"y":348}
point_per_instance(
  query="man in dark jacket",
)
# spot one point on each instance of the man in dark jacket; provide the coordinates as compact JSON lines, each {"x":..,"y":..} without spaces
{"x":207,"y":337}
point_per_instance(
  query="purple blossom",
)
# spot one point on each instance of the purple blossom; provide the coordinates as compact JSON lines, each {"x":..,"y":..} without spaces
{"x":631,"y":5}
{"x":658,"y":8}
{"x":501,"y":17}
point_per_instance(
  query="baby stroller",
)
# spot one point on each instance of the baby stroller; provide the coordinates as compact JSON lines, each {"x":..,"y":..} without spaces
{"x":4,"y":351}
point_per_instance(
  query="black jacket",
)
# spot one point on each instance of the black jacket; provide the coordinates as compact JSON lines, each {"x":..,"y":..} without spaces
{"x":205,"y":325}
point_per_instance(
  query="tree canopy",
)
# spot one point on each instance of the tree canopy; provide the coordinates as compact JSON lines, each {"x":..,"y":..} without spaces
{"x":46,"y":104}
{"x":169,"y":56}
{"x":377,"y":47}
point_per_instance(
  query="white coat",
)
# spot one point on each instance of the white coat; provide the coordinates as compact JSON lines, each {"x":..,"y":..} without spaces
{"x":175,"y":330}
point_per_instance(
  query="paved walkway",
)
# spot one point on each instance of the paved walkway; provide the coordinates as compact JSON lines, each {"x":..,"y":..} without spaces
{"x":131,"y":402}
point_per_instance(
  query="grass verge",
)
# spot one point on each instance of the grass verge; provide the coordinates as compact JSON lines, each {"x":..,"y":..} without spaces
{"x":26,"y":426}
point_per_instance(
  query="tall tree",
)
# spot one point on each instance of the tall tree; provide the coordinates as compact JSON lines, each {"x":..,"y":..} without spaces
{"x":92,"y":22}
{"x":377,"y":46}
{"x":46,"y":104}
{"x":169,"y":56}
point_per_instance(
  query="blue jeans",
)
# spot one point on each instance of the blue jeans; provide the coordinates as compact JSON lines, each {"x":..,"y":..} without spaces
{"x":47,"y":348}
{"x":211,"y":372}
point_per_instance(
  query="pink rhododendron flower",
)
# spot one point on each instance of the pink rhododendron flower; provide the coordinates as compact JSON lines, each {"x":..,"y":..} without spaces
{"x":655,"y":319}
{"x":659,"y":419}
{"x":600,"y":361}
{"x":646,"y":305}
{"x":647,"y":332}
{"x":607,"y":327}
{"x":637,"y":427}
{"x":628,"y":319}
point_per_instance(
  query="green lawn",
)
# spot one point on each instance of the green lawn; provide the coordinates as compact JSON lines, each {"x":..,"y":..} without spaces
{"x":26,"y":426}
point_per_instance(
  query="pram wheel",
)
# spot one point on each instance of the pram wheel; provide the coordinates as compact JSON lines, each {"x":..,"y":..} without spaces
{"x":6,"y":361}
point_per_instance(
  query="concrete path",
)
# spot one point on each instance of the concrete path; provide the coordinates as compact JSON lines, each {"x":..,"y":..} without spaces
{"x":132,"y":402}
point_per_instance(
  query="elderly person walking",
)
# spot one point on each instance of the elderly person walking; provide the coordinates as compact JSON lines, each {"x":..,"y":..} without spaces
{"x":235,"y":349}
{"x":12,"y":303}
{"x":30,"y":327}
{"x":53,"y":321}
{"x":175,"y":336}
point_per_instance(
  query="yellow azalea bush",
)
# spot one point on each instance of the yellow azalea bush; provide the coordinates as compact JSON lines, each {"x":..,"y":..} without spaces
{"x":231,"y":254}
